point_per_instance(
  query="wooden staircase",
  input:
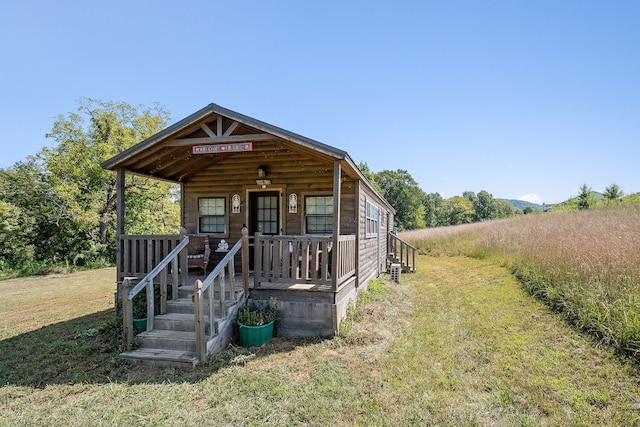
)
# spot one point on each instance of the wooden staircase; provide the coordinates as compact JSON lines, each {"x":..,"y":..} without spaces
{"x":193,"y":320}
{"x":401,"y":252}
{"x":172,"y":341}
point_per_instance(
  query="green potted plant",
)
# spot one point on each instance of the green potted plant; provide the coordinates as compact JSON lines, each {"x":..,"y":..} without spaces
{"x":255,"y":324}
{"x":140,"y":312}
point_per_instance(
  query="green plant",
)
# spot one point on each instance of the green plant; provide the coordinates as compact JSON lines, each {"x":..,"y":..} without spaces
{"x":140,"y":302}
{"x":140,"y":306}
{"x":254,"y":315}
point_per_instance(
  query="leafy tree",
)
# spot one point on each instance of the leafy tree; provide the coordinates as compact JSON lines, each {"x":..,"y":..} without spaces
{"x":613,"y":193}
{"x":370,"y":175}
{"x":504,"y":209}
{"x":455,"y":211}
{"x":31,"y":217}
{"x":403,"y":193}
{"x":85,"y":193}
{"x":470,"y":196}
{"x":484,"y":206}
{"x":432,"y":204}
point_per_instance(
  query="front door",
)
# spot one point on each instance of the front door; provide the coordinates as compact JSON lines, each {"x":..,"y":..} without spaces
{"x":264,"y":212}
{"x":264,"y":215}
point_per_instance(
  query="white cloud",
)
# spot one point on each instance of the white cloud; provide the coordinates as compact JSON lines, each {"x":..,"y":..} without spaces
{"x":533,"y":198}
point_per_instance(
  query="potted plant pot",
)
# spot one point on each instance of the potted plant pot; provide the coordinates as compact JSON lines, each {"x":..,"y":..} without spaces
{"x":140,"y":312}
{"x":140,"y":324}
{"x":255,"y":325}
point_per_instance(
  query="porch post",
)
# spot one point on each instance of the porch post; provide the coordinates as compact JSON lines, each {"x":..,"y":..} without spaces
{"x":120,"y":178}
{"x":245,"y":260}
{"x":337,"y":181}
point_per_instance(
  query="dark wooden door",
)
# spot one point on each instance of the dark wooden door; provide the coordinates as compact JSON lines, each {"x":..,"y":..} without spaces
{"x":264,"y":214}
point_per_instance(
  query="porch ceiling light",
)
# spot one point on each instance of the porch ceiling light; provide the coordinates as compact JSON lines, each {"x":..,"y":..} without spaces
{"x":262,"y":171}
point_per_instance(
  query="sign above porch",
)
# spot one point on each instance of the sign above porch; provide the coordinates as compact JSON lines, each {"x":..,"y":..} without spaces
{"x":222,"y":148}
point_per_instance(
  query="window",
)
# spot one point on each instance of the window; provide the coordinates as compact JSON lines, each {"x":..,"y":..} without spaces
{"x":212,"y":215}
{"x":318,"y":214}
{"x":373,"y":217}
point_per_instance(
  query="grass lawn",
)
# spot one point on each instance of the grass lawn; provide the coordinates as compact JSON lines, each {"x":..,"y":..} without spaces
{"x":457,"y":343}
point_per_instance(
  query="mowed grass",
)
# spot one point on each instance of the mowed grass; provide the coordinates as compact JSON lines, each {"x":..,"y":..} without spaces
{"x":584,"y":264}
{"x":459,"y":343}
{"x":30,"y":303}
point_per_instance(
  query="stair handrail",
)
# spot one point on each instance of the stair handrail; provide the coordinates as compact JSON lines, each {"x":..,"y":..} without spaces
{"x":129,"y":290}
{"x":224,"y":267}
{"x":406,"y":249}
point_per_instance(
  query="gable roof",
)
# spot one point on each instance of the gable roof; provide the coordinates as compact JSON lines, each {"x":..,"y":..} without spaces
{"x":167,"y":154}
{"x":213,"y":110}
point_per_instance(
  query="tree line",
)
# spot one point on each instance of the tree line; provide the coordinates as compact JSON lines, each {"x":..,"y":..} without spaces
{"x":417,"y":209}
{"x":57,"y":207}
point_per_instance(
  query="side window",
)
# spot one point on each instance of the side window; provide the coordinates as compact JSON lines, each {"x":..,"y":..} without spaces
{"x":318,"y":214}
{"x":373,"y":218}
{"x":212,"y":215}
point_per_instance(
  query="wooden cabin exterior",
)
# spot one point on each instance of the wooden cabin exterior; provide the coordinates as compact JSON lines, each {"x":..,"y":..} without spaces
{"x":318,"y":231}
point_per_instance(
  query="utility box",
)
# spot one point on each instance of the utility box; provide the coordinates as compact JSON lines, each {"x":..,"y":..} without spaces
{"x":395,"y":272}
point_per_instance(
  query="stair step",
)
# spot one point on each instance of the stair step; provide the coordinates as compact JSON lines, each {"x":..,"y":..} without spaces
{"x":162,"y":357}
{"x":186,"y":306}
{"x":187,"y":291}
{"x":166,"y":339}
{"x":180,"y":322}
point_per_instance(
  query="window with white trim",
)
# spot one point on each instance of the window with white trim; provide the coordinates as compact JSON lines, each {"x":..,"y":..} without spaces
{"x":372,"y":219}
{"x":318,"y":214}
{"x":212,"y":215}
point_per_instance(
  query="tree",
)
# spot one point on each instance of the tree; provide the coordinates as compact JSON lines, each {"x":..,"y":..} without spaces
{"x":613,"y":193}
{"x":585,"y":198}
{"x":455,"y":211}
{"x":403,"y":193}
{"x":369,"y":175}
{"x":504,"y":209}
{"x":86,"y":193}
{"x":432,"y":205}
{"x":484,"y":206}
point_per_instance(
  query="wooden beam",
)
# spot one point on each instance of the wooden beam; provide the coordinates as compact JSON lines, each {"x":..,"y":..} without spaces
{"x":219,"y":124}
{"x":221,"y":139}
{"x":231,"y":128}
{"x":337,"y":181}
{"x":208,"y":130}
{"x":120,"y":184}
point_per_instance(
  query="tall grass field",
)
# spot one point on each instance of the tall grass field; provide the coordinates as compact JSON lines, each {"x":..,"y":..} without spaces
{"x":585,"y":264}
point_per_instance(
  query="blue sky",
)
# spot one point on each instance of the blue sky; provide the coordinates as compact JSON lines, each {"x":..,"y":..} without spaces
{"x":523,"y":99}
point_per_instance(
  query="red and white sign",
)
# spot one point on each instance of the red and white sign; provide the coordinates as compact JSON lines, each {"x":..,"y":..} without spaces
{"x":222,"y":148}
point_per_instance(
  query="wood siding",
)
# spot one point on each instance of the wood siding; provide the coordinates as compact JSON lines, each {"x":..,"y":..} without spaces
{"x":290,"y":172}
{"x":372,"y":249}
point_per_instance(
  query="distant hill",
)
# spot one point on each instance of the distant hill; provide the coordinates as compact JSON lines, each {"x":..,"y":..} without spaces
{"x":521,"y":204}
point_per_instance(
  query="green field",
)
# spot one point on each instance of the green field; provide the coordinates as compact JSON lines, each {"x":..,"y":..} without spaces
{"x":459,"y":343}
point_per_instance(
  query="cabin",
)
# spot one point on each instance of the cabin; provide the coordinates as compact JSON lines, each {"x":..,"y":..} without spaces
{"x":267,"y":215}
